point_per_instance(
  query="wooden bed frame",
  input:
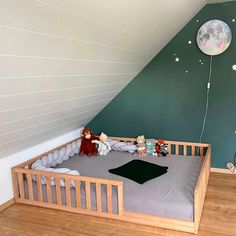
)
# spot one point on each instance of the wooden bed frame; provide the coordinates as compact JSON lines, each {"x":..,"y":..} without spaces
{"x":22,"y":172}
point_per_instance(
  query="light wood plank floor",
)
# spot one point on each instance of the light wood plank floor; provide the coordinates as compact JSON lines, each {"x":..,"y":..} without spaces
{"x":219,"y":218}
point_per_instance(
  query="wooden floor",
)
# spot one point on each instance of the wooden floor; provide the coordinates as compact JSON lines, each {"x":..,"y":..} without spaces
{"x":219,"y":218}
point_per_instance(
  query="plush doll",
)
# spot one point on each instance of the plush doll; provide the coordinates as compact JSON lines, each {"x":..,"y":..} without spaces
{"x":141,"y":146}
{"x":161,"y":149}
{"x":87,"y":146}
{"x":150,"y":146}
{"x":103,"y":146}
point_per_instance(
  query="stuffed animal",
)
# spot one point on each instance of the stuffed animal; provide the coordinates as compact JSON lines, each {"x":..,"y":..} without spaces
{"x":161,"y":148}
{"x":232,"y":166}
{"x":87,"y":146}
{"x":103,"y":145}
{"x":141,"y":146}
{"x":150,"y":146}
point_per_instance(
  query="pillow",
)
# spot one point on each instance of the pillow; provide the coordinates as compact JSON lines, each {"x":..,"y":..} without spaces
{"x":139,"y":171}
{"x":122,"y":146}
{"x":47,"y":163}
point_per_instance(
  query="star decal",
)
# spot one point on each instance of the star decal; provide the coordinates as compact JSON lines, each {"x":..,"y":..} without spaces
{"x":189,"y":42}
{"x":233,"y":20}
{"x":234,"y":67}
{"x":177,"y":59}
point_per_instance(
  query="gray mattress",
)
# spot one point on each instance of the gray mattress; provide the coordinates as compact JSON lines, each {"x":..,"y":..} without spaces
{"x":170,"y":195}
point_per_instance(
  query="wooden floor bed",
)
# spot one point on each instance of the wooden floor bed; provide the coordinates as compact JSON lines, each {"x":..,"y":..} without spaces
{"x":23,"y":172}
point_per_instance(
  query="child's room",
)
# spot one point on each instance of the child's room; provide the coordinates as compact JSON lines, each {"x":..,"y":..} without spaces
{"x":117,"y":117}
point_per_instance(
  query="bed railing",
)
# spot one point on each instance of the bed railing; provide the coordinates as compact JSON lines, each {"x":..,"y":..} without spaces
{"x":176,"y":147}
{"x":25,"y":180}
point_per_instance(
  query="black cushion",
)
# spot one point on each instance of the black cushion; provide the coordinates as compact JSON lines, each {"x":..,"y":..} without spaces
{"x":139,"y":171}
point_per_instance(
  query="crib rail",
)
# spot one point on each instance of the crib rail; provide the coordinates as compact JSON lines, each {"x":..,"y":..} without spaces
{"x":28,"y":189}
{"x":176,"y":147}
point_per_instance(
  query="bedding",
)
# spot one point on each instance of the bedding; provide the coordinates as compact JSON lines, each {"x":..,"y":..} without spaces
{"x":170,"y":195}
{"x":48,"y":162}
{"x":122,"y":146}
{"x":139,"y":171}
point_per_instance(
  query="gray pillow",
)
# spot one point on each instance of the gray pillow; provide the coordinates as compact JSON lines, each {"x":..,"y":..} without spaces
{"x":122,"y":146}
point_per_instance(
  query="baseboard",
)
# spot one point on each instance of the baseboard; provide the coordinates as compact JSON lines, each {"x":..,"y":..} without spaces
{"x":221,"y":170}
{"x":7,"y":204}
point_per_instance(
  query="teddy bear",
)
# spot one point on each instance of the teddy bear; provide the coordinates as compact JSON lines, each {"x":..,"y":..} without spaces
{"x":103,"y":145}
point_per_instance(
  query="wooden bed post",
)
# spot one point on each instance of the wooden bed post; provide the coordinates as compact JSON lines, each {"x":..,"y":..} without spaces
{"x":201,"y":188}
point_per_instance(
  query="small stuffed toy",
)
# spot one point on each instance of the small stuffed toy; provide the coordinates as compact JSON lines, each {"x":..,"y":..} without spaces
{"x":150,"y":146}
{"x":161,"y":149}
{"x":103,"y":146}
{"x":87,"y":146}
{"x":141,"y":146}
{"x":232,"y":166}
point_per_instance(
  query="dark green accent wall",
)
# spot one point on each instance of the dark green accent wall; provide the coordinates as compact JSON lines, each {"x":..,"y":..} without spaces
{"x":164,"y":101}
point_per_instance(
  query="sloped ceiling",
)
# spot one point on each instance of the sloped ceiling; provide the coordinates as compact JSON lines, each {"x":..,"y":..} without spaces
{"x":63,"y":61}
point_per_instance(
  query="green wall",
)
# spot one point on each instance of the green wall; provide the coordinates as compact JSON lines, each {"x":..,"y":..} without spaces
{"x":164,"y":101}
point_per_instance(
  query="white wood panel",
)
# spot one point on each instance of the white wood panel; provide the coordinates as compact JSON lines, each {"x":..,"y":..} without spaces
{"x":27,"y":66}
{"x":40,"y":109}
{"x":109,"y":13}
{"x":36,"y":128}
{"x":21,"y":85}
{"x":216,"y":1}
{"x":34,"y":139}
{"x":53,"y":115}
{"x":12,"y":102}
{"x":47,"y":19}
{"x":41,"y":45}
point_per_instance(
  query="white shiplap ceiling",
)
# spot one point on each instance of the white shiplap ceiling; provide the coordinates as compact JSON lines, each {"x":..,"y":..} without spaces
{"x":217,"y":1}
{"x":63,"y":61}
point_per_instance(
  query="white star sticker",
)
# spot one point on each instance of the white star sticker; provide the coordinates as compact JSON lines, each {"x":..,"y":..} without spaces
{"x":186,"y":71}
{"x":189,"y":42}
{"x":233,"y":20}
{"x":234,"y":67}
{"x":197,"y":20}
{"x":177,"y":59}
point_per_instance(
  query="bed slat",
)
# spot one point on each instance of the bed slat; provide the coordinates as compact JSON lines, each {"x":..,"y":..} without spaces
{"x":98,"y":197}
{"x":30,"y":187}
{"x":49,"y":189}
{"x":109,"y":198}
{"x":201,"y":151}
{"x":21,"y":185}
{"x":58,"y":190}
{"x":120,"y":199}
{"x":176,"y":149}
{"x":15,"y":185}
{"x":68,"y":194}
{"x":185,"y":150}
{"x":77,"y":191}
{"x":39,"y":188}
{"x":193,"y":151}
{"x":88,"y":197}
